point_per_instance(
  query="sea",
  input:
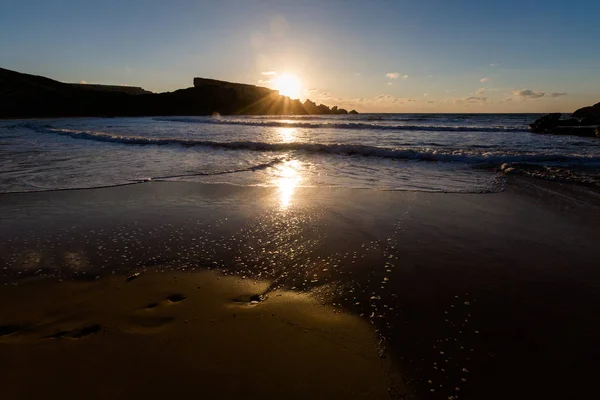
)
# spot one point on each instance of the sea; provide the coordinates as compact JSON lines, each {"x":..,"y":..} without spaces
{"x":454,"y":153}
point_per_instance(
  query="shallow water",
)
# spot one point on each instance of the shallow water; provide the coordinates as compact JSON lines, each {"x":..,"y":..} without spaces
{"x":444,"y":152}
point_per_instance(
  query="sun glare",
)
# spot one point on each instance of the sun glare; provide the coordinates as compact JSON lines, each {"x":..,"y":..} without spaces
{"x":287,"y":85}
{"x":287,"y":179}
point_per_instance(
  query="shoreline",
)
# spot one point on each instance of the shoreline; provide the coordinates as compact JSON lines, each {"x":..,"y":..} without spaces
{"x":483,"y":283}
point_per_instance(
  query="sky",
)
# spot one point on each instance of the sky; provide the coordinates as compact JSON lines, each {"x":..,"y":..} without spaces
{"x":373,"y":56}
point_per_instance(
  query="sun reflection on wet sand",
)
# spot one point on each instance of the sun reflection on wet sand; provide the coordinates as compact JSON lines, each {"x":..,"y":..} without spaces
{"x":287,"y":178}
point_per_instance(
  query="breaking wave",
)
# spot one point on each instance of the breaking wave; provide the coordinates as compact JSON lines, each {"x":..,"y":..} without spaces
{"x":289,"y":123}
{"x":419,"y":154}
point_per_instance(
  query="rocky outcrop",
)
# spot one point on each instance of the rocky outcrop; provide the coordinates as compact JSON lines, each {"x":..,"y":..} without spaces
{"x":546,"y":123}
{"x":311,"y":108}
{"x":584,"y":122}
{"x":23,"y":96}
{"x":133,"y":90}
{"x":589,"y":115}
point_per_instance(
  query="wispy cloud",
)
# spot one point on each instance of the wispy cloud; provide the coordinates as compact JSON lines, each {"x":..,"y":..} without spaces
{"x":264,"y":82}
{"x":390,"y":83}
{"x":484,"y":80}
{"x":528,"y":93}
{"x":269,"y":73}
{"x":311,"y":90}
{"x":83,"y":82}
{"x":532,"y":94}
{"x":405,"y":77}
{"x":480,"y":91}
{"x":472,"y":99}
{"x":478,"y":99}
{"x":386,"y":98}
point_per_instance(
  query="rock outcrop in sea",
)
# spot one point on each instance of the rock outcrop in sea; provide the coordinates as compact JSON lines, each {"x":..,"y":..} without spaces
{"x":583,"y":122}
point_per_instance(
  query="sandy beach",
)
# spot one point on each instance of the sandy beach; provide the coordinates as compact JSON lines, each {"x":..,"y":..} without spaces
{"x":220,"y":291}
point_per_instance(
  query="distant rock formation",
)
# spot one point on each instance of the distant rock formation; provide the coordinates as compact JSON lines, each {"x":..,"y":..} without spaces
{"x":584,"y":122}
{"x":23,"y":96}
{"x":133,"y":90}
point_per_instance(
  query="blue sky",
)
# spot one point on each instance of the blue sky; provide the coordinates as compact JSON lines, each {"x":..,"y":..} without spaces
{"x":389,"y":56}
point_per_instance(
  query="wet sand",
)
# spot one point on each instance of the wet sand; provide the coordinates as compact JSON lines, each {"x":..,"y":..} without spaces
{"x":165,"y":335}
{"x":431,"y":295}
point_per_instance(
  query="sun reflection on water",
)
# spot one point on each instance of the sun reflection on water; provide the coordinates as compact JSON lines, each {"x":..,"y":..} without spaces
{"x":287,"y":178}
{"x":288,"y":135}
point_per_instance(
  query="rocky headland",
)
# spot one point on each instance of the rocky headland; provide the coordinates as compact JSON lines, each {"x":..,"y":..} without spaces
{"x":30,"y":96}
{"x":583,"y":122}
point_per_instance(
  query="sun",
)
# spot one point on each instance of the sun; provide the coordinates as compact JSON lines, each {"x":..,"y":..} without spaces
{"x":287,"y":85}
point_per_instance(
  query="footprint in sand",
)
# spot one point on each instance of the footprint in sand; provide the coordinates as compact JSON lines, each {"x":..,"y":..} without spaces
{"x":176,"y":298}
{"x":76,"y":334}
{"x":250,"y":298}
{"x":145,"y":319}
{"x":6,"y":330}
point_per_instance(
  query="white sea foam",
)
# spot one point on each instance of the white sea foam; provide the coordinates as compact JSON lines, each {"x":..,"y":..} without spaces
{"x":472,"y":156}
{"x":352,"y":125}
{"x":448,"y":153}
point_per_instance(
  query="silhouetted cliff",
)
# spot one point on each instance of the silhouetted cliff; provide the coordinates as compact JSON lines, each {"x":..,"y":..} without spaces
{"x":112,"y":88}
{"x":23,"y":95}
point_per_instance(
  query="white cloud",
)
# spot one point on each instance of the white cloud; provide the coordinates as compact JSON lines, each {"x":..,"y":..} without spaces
{"x":480,"y":91}
{"x":532,"y":94}
{"x":386,"y":98}
{"x":426,"y":94}
{"x":269,"y":73}
{"x":466,"y":100}
{"x":264,"y":82}
{"x":493,"y":65}
{"x":83,"y":82}
{"x":390,"y":83}
{"x":405,"y":77}
{"x":483,"y":80}
{"x":393,"y":75}
{"x":357,"y":74}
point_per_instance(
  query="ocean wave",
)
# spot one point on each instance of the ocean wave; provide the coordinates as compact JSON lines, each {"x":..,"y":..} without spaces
{"x":587,"y":176}
{"x":418,"y":154}
{"x":286,"y":123}
{"x":252,"y":168}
